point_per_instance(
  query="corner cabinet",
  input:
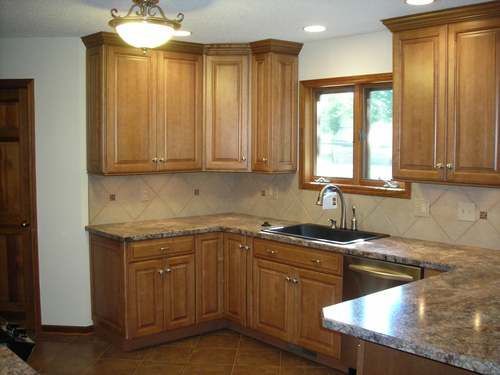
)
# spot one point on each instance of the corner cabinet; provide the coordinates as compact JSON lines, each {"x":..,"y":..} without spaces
{"x":144,"y":109}
{"x":274,"y":105}
{"x":227,"y":105}
{"x":191,"y":107}
{"x":446,"y":96}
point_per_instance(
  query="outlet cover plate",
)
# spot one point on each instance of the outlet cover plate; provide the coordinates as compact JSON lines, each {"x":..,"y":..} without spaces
{"x":466,"y":211}
{"x":422,"y":208}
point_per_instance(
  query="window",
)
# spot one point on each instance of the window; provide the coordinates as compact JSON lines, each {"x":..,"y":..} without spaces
{"x":346,"y":135}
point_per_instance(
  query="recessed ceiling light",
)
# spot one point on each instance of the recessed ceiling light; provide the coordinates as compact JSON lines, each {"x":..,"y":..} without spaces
{"x":419,"y":2}
{"x":314,"y":28}
{"x":182,"y":33}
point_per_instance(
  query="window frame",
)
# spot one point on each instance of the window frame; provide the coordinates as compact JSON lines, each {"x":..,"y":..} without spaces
{"x":309,"y":91}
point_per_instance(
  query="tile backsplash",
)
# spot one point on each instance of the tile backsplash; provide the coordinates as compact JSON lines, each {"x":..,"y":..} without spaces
{"x":172,"y":195}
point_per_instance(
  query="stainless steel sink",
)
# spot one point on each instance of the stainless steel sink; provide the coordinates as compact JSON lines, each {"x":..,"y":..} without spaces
{"x":326,"y":234}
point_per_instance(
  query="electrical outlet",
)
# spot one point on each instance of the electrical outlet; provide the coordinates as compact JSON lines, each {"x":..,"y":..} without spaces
{"x":263,"y":193}
{"x":466,"y":211}
{"x":273,"y":193}
{"x":421,"y":208}
{"x":483,"y":215}
{"x":196,"y":192}
{"x":112,"y":197}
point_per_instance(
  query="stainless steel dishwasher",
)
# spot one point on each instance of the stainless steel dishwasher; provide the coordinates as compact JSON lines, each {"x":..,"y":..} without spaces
{"x":364,"y":276}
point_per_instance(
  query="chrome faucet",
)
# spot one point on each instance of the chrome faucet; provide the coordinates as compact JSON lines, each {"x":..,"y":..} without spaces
{"x":338,"y":190}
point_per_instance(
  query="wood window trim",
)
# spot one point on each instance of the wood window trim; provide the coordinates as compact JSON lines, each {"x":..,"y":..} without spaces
{"x":307,"y":146}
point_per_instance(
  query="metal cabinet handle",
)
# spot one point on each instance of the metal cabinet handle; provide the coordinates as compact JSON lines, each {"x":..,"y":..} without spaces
{"x":161,"y":160}
{"x":25,"y":224}
{"x":155,"y":160}
{"x":164,"y":249}
{"x":272,"y":252}
{"x":316,"y":261}
{"x":439,"y":166}
{"x":295,"y":281}
{"x":168,"y":270}
{"x":240,"y":246}
{"x":160,"y":272}
{"x":264,"y":159}
{"x":449,"y":166}
{"x":288,"y":278}
{"x":244,"y":158}
{"x":247,"y":247}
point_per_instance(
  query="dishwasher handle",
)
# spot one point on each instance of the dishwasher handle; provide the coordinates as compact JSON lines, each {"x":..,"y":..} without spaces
{"x":381,"y":273}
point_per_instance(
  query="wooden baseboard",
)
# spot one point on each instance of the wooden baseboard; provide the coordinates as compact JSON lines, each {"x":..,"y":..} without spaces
{"x":82,"y":330}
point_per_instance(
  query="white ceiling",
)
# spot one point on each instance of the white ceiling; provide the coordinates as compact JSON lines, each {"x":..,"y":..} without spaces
{"x":214,"y":20}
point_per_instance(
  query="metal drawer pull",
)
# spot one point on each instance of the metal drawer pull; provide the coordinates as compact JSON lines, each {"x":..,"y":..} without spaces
{"x":288,"y":278}
{"x":164,"y":249}
{"x":160,"y":272}
{"x":439,"y":166}
{"x":240,"y":246}
{"x":154,"y":160}
{"x":247,"y":247}
{"x":168,"y":270}
{"x":295,"y":281}
{"x":316,"y":261}
{"x":449,"y":166}
{"x":272,"y":252}
{"x":380,"y":273}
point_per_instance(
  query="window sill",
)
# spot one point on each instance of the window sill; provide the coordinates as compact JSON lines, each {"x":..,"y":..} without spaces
{"x":403,"y":193}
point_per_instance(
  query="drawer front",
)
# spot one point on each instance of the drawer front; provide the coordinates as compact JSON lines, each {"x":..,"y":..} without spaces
{"x":157,"y":248}
{"x":298,"y":256}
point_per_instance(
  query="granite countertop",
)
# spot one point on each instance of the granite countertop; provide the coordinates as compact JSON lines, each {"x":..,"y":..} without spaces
{"x":453,"y":318}
{"x":11,"y":364}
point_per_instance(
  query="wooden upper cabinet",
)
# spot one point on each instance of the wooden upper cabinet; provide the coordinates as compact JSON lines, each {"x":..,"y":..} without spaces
{"x":474,"y":102}
{"x":447,"y":96}
{"x":180,"y":115}
{"x":144,"y":109}
{"x":227,"y":107}
{"x":130,"y":112}
{"x":274,"y":105}
{"x":419,"y":104}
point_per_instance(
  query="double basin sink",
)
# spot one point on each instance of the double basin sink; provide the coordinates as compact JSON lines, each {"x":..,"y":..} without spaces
{"x":326,"y":234}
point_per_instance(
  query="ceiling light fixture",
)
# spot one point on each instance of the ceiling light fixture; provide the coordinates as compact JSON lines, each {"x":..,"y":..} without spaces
{"x":419,"y":2}
{"x":315,"y":28}
{"x":182,"y":33}
{"x":145,"y":25}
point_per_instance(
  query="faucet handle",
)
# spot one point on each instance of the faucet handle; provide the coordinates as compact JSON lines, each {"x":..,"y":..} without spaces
{"x":333,"y":223}
{"x":354,"y":220}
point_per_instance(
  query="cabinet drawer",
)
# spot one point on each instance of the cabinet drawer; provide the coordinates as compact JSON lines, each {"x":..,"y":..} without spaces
{"x":298,"y":256}
{"x":163,"y":247}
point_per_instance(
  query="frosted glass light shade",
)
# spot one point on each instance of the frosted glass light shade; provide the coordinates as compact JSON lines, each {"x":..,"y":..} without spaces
{"x":144,"y":34}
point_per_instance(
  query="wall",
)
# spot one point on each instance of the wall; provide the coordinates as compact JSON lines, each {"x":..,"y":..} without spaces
{"x":58,"y":67}
{"x":172,"y":195}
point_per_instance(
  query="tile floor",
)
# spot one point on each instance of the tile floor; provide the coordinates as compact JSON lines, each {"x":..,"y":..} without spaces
{"x":222,"y":352}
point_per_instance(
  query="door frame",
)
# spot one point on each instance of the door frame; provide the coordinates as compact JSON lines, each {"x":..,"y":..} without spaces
{"x":28,"y":85}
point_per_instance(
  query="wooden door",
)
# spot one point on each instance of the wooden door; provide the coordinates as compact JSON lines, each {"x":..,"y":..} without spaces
{"x":180,"y":111}
{"x":145,"y":297}
{"x":131,"y":110}
{"x":235,"y":278}
{"x":420,"y":104}
{"x":19,"y":295}
{"x":180,"y":292}
{"x":314,"y":291}
{"x":226,"y":112}
{"x":474,"y":102}
{"x":273,"y":304}
{"x":209,"y":277}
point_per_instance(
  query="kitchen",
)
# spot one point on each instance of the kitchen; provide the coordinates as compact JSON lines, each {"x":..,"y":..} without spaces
{"x":255,"y":129}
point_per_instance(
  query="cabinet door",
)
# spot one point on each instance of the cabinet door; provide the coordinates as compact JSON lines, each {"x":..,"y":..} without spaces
{"x":130,"y":110}
{"x":474,"y":101}
{"x":314,"y":291}
{"x":273,"y":299}
{"x":226,"y":116}
{"x":419,"y":104}
{"x":179,"y":292}
{"x":235,"y":278}
{"x":145,"y":297}
{"x":180,"y":95}
{"x":209,"y":277}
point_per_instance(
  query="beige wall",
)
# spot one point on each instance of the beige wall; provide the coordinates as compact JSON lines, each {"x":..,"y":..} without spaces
{"x":172,"y":195}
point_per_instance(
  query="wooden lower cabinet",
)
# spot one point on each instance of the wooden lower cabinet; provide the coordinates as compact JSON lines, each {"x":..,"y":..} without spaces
{"x":179,"y":291}
{"x":209,"y":277}
{"x":288,"y":303}
{"x":313,"y":292}
{"x":235,"y":278}
{"x":273,"y":296}
{"x":153,"y":291}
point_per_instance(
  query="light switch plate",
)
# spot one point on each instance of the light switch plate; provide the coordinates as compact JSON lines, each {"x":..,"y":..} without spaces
{"x":466,"y":211}
{"x":422,"y":208}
